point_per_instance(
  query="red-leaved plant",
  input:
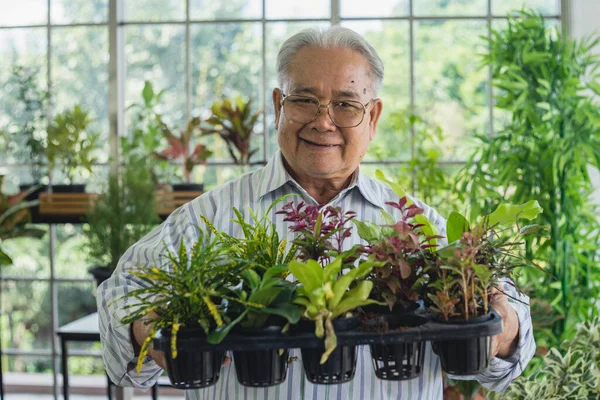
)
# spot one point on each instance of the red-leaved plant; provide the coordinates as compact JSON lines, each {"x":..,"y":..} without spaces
{"x":321,"y":232}
{"x":180,"y":147}
{"x":402,"y":246}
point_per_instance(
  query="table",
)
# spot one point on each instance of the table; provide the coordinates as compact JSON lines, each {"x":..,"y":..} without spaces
{"x":83,"y":330}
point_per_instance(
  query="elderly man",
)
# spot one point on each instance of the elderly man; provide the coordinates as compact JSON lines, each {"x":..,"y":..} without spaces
{"x":326,"y":114}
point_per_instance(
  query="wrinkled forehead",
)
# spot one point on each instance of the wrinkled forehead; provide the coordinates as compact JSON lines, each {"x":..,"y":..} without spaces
{"x":336,"y":71}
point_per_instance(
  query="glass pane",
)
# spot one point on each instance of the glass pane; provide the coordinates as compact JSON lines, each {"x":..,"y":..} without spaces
{"x":41,"y":366}
{"x":450,"y":8}
{"x":80,"y":77}
{"x":79,"y":11}
{"x":157,"y":54}
{"x":208,"y":9}
{"x":547,"y":7}
{"x":23,"y":79}
{"x":391,"y":40}
{"x":28,"y":12}
{"x":278,"y":9}
{"x":226,"y":63}
{"x":75,"y":300}
{"x":70,"y":256}
{"x":154,"y":10}
{"x":276,"y":34}
{"x":450,"y":87}
{"x":26,"y":314}
{"x":376,"y":8}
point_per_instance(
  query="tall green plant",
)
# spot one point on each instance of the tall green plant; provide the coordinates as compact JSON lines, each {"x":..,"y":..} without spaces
{"x":542,"y":77}
{"x":120,"y":216}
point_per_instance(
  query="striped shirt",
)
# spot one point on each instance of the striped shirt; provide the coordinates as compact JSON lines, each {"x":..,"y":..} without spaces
{"x":258,"y":189}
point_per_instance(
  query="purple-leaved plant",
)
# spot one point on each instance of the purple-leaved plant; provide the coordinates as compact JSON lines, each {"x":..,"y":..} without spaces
{"x":321,"y":231}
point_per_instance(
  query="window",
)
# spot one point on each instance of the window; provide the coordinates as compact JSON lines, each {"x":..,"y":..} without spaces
{"x":199,"y":51}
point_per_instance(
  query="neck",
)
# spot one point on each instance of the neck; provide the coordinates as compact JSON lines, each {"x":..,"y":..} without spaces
{"x":322,"y":190}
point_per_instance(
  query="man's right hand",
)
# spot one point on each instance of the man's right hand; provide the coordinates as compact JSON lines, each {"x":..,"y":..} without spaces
{"x":141,"y":329}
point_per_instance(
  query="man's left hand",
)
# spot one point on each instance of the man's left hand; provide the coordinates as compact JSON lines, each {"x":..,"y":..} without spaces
{"x":504,"y":344}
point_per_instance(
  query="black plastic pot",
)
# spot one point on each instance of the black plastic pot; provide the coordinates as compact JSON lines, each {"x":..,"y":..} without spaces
{"x":341,"y":364}
{"x":399,"y":361}
{"x":261,"y":368}
{"x":192,"y":368}
{"x":469,"y":356}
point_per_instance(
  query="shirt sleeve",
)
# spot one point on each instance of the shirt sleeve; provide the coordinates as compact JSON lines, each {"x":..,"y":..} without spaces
{"x":502,"y":371}
{"x":117,"y":349}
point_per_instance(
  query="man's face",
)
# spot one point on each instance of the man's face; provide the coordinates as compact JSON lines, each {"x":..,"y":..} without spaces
{"x":319,"y":149}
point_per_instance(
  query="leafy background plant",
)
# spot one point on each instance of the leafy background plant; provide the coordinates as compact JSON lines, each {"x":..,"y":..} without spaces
{"x":544,"y":81}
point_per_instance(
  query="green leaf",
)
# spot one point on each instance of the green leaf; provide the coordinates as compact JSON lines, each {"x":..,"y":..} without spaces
{"x":309,"y":274}
{"x":148,"y":93}
{"x":395,"y":187}
{"x":356,"y":297}
{"x":428,"y":228}
{"x":367,"y":230}
{"x":217,"y":336}
{"x":456,"y":225}
{"x":508,"y":213}
{"x":290,"y":312}
{"x":4,"y":258}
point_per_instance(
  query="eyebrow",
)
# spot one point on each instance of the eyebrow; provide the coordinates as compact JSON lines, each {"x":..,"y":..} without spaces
{"x":305,"y":89}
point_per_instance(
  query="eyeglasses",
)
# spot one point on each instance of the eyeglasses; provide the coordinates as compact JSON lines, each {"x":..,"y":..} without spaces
{"x":343,"y":113}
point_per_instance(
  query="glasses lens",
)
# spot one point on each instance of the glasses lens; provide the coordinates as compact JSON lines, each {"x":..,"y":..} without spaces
{"x":300,"y":109}
{"x":346,"y":113}
{"x":343,"y":113}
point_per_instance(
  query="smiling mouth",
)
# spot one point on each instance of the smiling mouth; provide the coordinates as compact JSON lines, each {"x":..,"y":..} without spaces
{"x":319,"y":144}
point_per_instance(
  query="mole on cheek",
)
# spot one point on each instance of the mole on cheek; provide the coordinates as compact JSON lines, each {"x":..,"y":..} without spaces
{"x":364,"y":90}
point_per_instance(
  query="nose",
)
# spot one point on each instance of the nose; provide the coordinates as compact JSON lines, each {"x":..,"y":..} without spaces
{"x":323,"y":121}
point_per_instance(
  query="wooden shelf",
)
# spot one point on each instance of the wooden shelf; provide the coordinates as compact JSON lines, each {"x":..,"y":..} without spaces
{"x":72,"y":207}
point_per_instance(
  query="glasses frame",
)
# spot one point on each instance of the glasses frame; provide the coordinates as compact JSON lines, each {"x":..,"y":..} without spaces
{"x":320,"y":106}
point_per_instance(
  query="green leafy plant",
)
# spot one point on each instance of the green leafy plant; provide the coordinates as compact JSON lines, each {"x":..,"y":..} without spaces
{"x":464,"y":272}
{"x":15,"y":218}
{"x":69,"y":142}
{"x":146,"y":136}
{"x":187,"y":290}
{"x":570,"y":371}
{"x":120,"y":216}
{"x":401,"y":246}
{"x":544,"y":82}
{"x":326,"y":295}
{"x":180,"y":148}
{"x":265,"y":282}
{"x":234,"y":122}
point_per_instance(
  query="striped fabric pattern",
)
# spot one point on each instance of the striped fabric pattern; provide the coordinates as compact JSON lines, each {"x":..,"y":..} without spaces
{"x":258,"y":189}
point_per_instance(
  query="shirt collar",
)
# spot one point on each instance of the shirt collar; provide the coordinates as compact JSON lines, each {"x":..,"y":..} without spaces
{"x":275,"y":175}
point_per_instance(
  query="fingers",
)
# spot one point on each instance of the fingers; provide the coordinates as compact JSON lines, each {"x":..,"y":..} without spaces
{"x":226,"y":361}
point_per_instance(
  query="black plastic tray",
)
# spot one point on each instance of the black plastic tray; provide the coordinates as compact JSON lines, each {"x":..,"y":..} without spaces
{"x":429,"y":330}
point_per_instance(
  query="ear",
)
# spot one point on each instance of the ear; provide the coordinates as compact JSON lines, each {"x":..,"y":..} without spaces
{"x":277,"y":97}
{"x":374,"y":114}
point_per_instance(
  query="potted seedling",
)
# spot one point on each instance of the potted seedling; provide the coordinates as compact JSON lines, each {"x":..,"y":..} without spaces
{"x":328,"y":296}
{"x":402,"y":247}
{"x":464,"y":274}
{"x":181,"y":148}
{"x":119,"y":217}
{"x":234,"y":122}
{"x":264,"y":284}
{"x":188,"y":291}
{"x":70,"y":145}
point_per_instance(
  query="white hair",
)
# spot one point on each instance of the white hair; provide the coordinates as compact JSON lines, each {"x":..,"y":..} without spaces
{"x":332,"y":37}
